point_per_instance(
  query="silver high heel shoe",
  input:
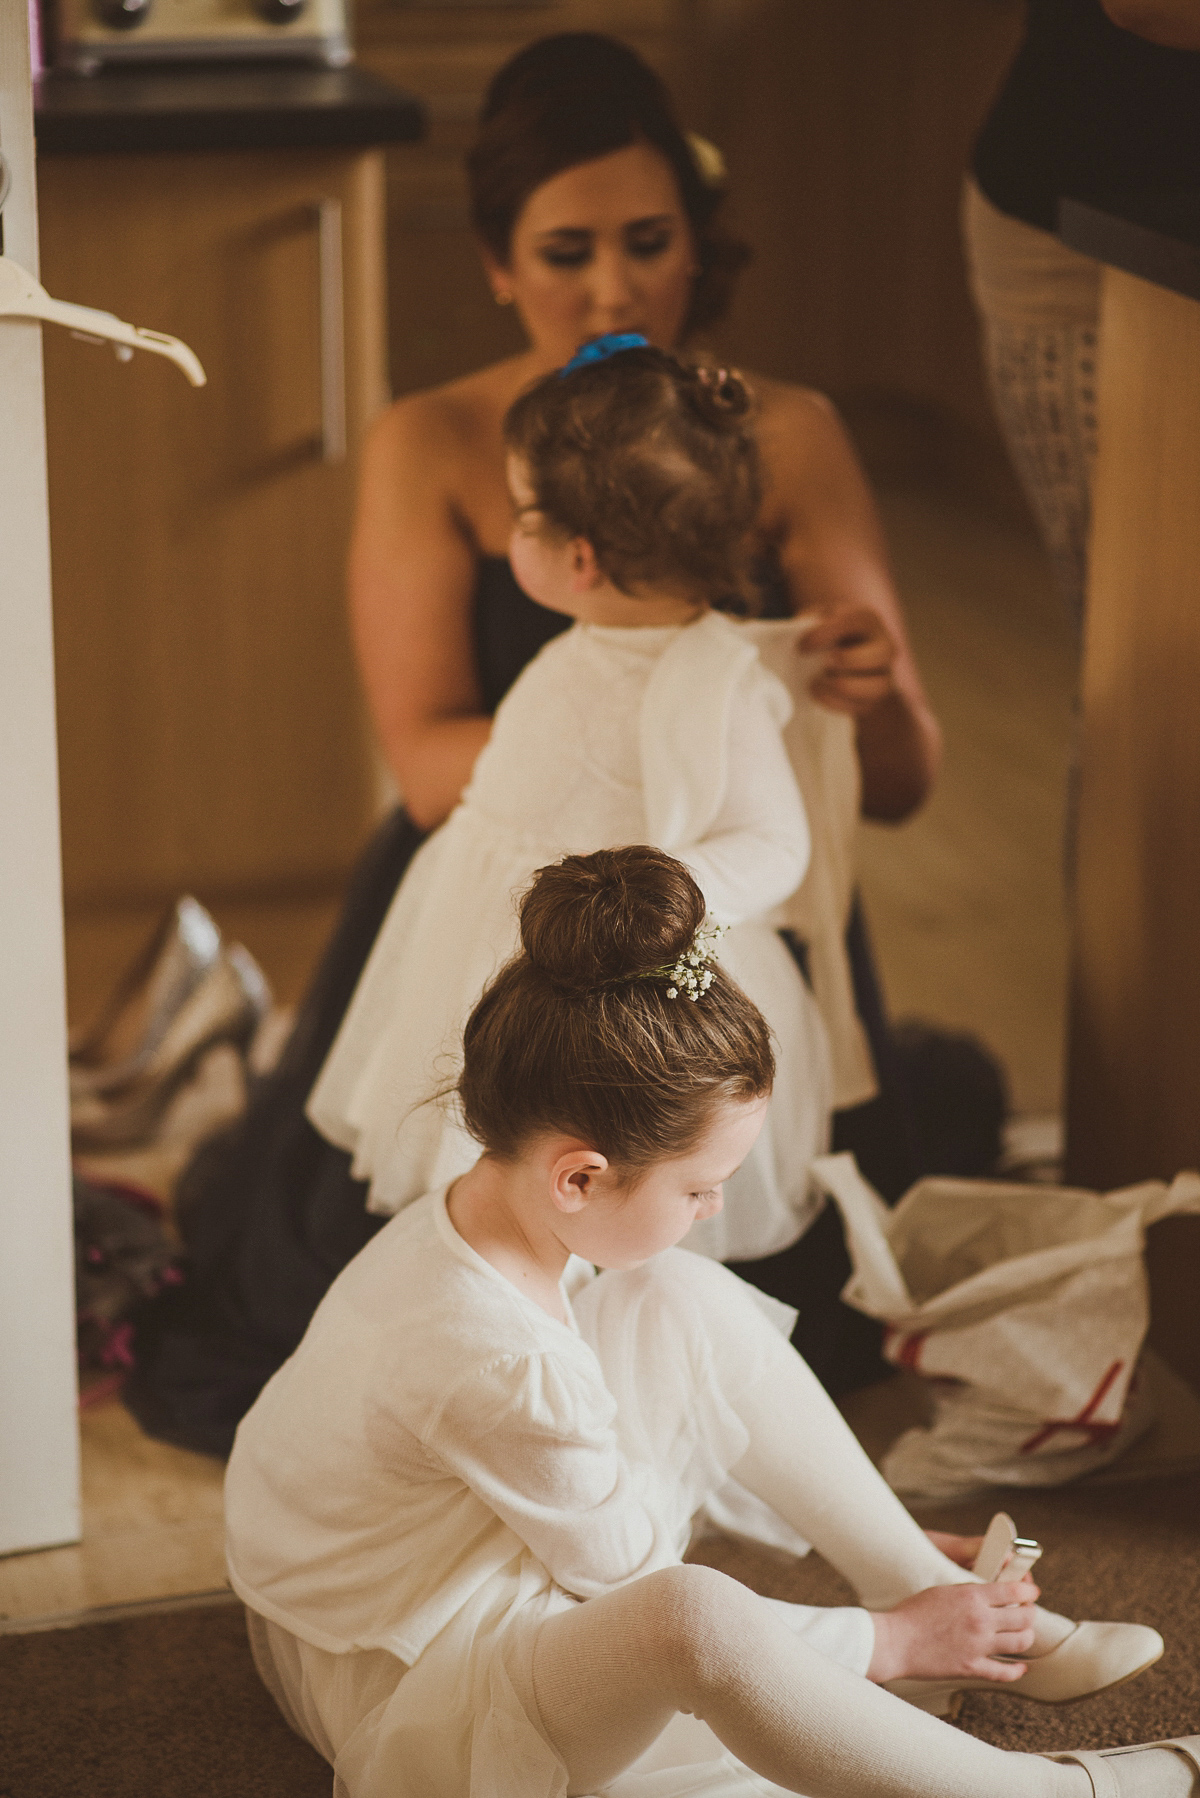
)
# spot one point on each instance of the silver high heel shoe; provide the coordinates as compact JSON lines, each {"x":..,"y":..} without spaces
{"x":120,"y":1043}
{"x":226,"y":1006}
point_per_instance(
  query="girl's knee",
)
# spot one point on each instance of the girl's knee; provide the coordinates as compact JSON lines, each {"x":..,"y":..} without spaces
{"x":675,"y":1299}
{"x":699,"y":1616}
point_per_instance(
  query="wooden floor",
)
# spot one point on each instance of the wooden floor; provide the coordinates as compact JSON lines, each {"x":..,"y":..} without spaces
{"x":967,"y":912}
{"x":152,"y":1529}
{"x":966,"y":902}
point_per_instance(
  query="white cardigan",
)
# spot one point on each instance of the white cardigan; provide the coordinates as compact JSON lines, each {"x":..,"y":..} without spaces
{"x":610,"y":736}
{"x":437,"y":1432}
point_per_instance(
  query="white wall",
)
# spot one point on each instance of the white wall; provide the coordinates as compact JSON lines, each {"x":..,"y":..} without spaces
{"x":39,"y":1438}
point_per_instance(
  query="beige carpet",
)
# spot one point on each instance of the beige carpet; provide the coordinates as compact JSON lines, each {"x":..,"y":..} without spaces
{"x":165,"y":1706}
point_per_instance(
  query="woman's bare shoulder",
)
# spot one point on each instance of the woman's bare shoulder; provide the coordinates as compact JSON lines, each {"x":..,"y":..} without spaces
{"x":798,"y":417}
{"x":460,"y":416}
{"x":812,"y":470}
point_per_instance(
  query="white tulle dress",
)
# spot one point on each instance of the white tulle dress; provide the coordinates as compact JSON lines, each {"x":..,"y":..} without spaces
{"x":610,"y":736}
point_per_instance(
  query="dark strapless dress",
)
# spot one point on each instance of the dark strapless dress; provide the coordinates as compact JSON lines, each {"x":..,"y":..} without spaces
{"x":270,"y":1213}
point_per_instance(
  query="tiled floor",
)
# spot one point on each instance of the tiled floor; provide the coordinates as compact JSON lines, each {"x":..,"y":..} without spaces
{"x":966,"y":908}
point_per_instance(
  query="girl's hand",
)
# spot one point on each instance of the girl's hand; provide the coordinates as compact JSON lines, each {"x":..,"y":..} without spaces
{"x":953,"y":1632}
{"x":859,"y":651}
{"x":962,"y":1550}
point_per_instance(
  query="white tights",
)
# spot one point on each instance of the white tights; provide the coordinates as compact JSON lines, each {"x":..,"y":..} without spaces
{"x":685,"y":1313}
{"x":609,"y":1675}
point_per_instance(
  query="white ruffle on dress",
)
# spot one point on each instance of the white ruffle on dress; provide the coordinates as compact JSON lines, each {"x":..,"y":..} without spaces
{"x":610,"y":736}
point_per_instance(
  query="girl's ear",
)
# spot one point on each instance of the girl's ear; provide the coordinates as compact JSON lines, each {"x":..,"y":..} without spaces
{"x":573,"y":1178}
{"x":586,"y":573}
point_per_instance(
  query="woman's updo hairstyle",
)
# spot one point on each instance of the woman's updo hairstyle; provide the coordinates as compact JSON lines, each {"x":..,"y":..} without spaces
{"x":651,"y":460}
{"x":569,"y":99}
{"x":577,"y":1032}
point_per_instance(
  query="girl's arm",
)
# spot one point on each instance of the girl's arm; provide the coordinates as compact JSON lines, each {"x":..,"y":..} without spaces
{"x":756,"y":851}
{"x":820,"y":513}
{"x":411,"y":577}
{"x":540,"y":1452}
{"x":533,"y":1439}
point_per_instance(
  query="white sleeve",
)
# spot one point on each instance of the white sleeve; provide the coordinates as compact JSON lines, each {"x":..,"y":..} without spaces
{"x":755,"y":851}
{"x":842,"y":1633}
{"x":536,"y":1444}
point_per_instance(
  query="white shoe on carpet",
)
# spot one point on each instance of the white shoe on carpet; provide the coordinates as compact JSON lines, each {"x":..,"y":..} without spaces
{"x":1116,"y":1773}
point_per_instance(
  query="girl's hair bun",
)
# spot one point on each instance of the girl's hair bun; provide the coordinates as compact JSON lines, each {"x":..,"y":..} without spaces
{"x":568,"y":1037}
{"x":591,"y":922}
{"x":720,"y":393}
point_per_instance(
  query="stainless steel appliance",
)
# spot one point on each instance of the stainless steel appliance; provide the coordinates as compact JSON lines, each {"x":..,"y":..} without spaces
{"x":92,"y":33}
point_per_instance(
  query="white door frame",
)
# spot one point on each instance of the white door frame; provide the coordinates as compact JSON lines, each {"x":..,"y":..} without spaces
{"x":39,"y":1430}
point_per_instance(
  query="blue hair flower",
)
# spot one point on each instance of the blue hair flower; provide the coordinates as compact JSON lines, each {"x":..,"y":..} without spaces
{"x":601,"y":348}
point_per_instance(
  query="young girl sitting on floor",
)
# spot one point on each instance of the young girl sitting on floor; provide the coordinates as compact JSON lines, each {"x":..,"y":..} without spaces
{"x":457,"y":1514}
{"x":652,"y":721}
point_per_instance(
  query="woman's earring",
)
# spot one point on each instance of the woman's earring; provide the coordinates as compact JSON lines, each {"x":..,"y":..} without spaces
{"x":502,"y":297}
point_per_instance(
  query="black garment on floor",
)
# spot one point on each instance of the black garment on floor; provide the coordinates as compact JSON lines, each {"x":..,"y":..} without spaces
{"x":270,"y":1212}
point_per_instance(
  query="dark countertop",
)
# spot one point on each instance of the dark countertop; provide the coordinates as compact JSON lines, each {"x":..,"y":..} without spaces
{"x":1154,"y":235}
{"x":221,"y":106}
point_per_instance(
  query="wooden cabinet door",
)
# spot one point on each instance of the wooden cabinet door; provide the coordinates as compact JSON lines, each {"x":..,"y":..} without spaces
{"x":211,"y":732}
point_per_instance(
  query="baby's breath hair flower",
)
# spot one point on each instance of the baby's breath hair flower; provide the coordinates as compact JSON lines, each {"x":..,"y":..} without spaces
{"x":691,"y":974}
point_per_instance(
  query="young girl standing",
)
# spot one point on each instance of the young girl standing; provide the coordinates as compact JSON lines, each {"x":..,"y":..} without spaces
{"x":457,"y":1513}
{"x":636,"y":482}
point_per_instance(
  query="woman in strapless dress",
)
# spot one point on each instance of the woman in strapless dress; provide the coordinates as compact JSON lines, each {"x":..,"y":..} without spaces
{"x":594,"y":214}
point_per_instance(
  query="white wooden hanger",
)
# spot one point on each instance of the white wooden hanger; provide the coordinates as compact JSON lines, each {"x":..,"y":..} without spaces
{"x":23,"y":297}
